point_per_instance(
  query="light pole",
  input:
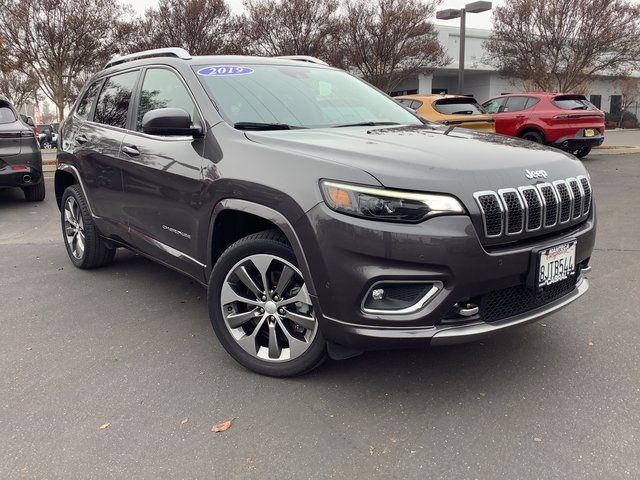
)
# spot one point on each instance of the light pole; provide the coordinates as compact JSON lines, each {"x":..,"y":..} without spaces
{"x":451,"y":13}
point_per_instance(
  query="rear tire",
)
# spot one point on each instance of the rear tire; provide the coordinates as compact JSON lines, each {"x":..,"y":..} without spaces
{"x":81,"y":237}
{"x":261,"y":326}
{"x":582,"y":152}
{"x":35,"y":193}
{"x":532,"y":136}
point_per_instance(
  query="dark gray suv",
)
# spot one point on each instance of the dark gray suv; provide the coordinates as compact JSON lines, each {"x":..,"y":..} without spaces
{"x":323,"y":217}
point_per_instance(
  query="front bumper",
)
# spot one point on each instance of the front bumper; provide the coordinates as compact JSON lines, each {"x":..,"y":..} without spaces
{"x":352,"y":254}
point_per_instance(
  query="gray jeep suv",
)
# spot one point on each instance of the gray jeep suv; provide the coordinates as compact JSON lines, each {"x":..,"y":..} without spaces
{"x":323,"y":217}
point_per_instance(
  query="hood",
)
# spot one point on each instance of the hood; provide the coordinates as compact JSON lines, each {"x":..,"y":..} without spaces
{"x":424,"y":158}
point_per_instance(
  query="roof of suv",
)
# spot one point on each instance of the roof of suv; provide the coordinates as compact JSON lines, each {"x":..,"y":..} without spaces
{"x":150,"y":56}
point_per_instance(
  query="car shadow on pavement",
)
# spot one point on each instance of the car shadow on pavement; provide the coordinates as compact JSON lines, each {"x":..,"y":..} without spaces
{"x":502,"y":364}
{"x":10,"y":197}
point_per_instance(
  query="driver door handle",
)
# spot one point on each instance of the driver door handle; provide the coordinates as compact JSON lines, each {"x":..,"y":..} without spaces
{"x":81,"y":139}
{"x":131,"y":151}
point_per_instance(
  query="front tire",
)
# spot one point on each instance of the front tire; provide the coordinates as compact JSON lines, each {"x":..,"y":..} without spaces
{"x":260,"y":308}
{"x":35,"y":193}
{"x":84,"y":245}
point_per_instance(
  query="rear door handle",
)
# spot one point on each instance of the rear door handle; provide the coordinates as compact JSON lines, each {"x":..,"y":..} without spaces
{"x":81,"y":139}
{"x":131,"y":151}
{"x":520,"y":116}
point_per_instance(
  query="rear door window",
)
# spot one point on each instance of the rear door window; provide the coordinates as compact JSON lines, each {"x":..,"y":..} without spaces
{"x":494,"y":106}
{"x":86,"y":103}
{"x":458,"y":106}
{"x":162,"y":88}
{"x":515,"y":104}
{"x":416,"y":104}
{"x":114,"y":99}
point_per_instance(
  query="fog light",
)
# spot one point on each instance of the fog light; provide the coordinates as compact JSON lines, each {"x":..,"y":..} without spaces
{"x":377,"y":294}
{"x":399,"y":297}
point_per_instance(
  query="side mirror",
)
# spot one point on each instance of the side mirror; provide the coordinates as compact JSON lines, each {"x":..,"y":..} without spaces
{"x":30,"y":122}
{"x":168,"y":122}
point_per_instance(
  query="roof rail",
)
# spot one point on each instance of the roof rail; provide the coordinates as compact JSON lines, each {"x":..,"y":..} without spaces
{"x":158,"y":52}
{"x":304,"y":58}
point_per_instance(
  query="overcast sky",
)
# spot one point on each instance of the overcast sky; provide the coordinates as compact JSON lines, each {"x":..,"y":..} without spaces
{"x":479,"y":20}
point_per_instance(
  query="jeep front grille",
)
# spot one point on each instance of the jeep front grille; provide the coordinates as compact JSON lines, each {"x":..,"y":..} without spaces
{"x":510,"y":211}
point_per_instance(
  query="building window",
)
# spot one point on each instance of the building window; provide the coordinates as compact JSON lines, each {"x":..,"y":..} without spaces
{"x":616,"y":104}
{"x":596,"y":100}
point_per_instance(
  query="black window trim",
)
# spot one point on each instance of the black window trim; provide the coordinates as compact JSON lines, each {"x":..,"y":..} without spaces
{"x":90,"y":118}
{"x":135,"y":101}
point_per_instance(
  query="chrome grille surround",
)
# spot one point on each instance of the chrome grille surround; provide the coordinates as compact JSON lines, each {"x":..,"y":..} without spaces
{"x":565,"y":197}
{"x":490,"y":217}
{"x":578,"y":197}
{"x":532,"y":216}
{"x":550,"y":202}
{"x":586,"y":190}
{"x":529,"y":208}
{"x":513,"y":213}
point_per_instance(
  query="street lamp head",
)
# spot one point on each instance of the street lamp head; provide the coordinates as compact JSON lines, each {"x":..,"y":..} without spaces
{"x":477,"y":7}
{"x":449,"y":14}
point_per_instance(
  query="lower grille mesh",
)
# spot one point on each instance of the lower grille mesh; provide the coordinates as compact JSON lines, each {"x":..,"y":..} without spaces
{"x":512,"y":301}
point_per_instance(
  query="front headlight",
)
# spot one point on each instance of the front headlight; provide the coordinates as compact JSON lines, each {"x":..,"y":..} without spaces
{"x":390,"y":205}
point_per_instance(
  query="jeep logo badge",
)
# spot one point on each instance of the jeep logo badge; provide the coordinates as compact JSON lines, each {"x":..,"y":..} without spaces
{"x":531,"y":174}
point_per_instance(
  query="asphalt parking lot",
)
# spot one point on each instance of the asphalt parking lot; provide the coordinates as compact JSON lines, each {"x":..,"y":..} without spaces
{"x":131,"y":346}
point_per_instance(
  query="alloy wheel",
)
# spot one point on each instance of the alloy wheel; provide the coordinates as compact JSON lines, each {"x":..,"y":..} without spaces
{"x":267,"y":308}
{"x":74,"y":227}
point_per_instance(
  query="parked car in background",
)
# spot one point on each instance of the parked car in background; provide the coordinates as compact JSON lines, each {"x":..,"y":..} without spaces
{"x":565,"y":121}
{"x":450,"y":110}
{"x":29,"y":121}
{"x":48,"y":136}
{"x":20,"y":157}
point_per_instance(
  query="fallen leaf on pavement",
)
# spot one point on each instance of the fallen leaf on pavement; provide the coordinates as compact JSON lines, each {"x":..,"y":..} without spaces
{"x":184,"y":420}
{"x":591,"y":344}
{"x":104,"y":426}
{"x":537,"y":439}
{"x":482,"y":394}
{"x":222,"y":426}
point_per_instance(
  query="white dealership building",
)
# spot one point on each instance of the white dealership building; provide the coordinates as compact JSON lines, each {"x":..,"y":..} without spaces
{"x":482,"y":81}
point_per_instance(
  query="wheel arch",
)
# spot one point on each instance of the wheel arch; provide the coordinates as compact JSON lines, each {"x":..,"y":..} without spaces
{"x":230,"y":211}
{"x":62,"y":180}
{"x":532,"y":128}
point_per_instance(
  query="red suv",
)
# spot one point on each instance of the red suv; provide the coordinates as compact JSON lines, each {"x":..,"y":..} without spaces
{"x":568,"y":122}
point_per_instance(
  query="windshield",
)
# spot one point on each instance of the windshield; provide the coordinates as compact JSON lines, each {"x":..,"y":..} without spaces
{"x":297,"y":96}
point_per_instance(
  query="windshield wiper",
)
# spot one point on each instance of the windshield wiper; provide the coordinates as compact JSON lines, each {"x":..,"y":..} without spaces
{"x":366,"y":124}
{"x":264,"y":126}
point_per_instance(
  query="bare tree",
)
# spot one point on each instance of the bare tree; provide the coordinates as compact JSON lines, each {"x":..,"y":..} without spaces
{"x":290,"y":27}
{"x":18,"y":88}
{"x":630,"y":89}
{"x":389,"y":41}
{"x":203,"y":27}
{"x":559,"y":45}
{"x":58,"y":41}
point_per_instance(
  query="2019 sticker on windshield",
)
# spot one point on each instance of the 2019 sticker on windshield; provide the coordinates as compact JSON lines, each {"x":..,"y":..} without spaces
{"x":224,"y":71}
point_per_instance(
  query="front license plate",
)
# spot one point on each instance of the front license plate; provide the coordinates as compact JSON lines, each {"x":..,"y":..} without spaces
{"x":589,"y":132}
{"x":556,"y":263}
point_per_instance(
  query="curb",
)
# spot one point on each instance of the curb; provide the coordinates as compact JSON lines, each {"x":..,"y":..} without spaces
{"x":614,"y":150}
